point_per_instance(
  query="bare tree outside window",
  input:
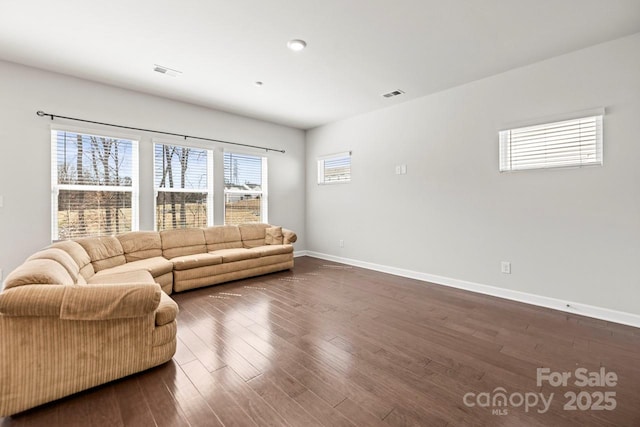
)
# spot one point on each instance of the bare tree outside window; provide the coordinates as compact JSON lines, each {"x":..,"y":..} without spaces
{"x":94,"y":185}
{"x":183,"y":181}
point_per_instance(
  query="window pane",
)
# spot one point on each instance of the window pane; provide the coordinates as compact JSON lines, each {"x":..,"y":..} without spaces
{"x":93,"y":213}
{"x":242,"y":172}
{"x":180,"y":167}
{"x":576,"y":142}
{"x":94,"y":179}
{"x":180,"y":210}
{"x":245,"y":197}
{"x":93,"y":160}
{"x":242,"y":209}
{"x":335,"y":168}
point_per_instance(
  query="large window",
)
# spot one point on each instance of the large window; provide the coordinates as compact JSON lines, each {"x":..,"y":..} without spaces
{"x":94,"y":185}
{"x":335,"y":168}
{"x":575,"y":142}
{"x":183,"y":186}
{"x":245,"y":188}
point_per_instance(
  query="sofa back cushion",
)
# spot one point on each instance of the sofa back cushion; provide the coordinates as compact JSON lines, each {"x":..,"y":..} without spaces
{"x":104,"y":251}
{"x":253,"y":235}
{"x":184,"y":241}
{"x":222,"y":237}
{"x":38,"y":272}
{"x":139,"y":245}
{"x":62,"y":258}
{"x":79,"y":255}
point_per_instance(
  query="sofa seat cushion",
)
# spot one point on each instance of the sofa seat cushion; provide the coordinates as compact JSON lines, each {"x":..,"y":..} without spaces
{"x":272,"y":250}
{"x":167,"y":310}
{"x":107,"y":277}
{"x":157,"y":266}
{"x":237,"y":254}
{"x":188,"y":262}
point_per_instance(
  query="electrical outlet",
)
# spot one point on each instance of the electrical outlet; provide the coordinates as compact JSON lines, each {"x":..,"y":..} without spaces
{"x":505,"y":267}
{"x":1,"y":276}
{"x":341,"y":243}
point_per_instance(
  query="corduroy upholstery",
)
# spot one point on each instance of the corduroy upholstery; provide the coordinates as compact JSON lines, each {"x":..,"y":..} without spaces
{"x":82,"y":313}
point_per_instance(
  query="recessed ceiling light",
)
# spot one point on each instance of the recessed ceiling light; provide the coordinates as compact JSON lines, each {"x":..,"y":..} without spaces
{"x":296,"y":45}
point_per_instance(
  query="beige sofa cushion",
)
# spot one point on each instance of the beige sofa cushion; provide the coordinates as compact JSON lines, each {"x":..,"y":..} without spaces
{"x":187,"y":262}
{"x":32,"y":300}
{"x":104,"y":251}
{"x":157,"y":266}
{"x":237,"y":254}
{"x":79,"y":255}
{"x":38,"y":272}
{"x":222,"y":237}
{"x":182,"y":242}
{"x":253,"y":234}
{"x":272,"y":250}
{"x":167,"y":310}
{"x":107,"y":277}
{"x":97,"y":302}
{"x":61,"y":257}
{"x":273,"y":236}
{"x":139,"y":245}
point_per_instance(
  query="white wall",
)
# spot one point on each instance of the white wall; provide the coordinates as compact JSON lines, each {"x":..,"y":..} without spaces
{"x":571,"y":234}
{"x":25,"y":148}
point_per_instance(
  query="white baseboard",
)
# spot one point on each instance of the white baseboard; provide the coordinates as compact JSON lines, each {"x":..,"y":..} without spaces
{"x":539,"y":300}
{"x":297,"y":254}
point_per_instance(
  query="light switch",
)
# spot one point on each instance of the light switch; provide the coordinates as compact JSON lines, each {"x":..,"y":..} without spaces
{"x":403,"y":169}
{"x":398,"y":170}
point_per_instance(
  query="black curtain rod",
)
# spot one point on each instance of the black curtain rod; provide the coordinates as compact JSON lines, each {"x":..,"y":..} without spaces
{"x":43,"y":114}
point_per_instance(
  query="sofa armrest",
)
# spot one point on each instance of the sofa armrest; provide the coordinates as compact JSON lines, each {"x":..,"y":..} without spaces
{"x":289,"y":236}
{"x":85,"y":302}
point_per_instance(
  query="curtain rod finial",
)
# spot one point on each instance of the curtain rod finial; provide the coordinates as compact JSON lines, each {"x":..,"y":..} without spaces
{"x":40,"y":113}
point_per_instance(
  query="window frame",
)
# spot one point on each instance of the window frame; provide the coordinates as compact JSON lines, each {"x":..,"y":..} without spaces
{"x":264,"y":193}
{"x":321,"y":165}
{"x":210,"y":180}
{"x":134,"y":189}
{"x":505,"y":142}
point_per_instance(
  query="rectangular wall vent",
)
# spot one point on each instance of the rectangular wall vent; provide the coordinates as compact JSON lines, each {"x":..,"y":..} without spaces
{"x":394,"y":93}
{"x":165,"y":70}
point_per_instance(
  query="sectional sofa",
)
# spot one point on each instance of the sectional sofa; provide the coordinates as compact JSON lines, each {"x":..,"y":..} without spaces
{"x":84,"y":312}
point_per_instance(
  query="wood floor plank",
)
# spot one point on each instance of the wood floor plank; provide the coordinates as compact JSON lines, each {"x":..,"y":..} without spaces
{"x":335,"y":345}
{"x":223,"y":405}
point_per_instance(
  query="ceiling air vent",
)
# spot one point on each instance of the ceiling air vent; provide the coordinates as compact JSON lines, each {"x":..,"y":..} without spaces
{"x":165,"y":70}
{"x":394,"y":93}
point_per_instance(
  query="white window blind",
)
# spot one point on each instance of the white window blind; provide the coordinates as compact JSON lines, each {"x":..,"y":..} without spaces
{"x":183,"y":181}
{"x":94,"y":185}
{"x":335,"y":168}
{"x":245,"y":188}
{"x":575,"y":142}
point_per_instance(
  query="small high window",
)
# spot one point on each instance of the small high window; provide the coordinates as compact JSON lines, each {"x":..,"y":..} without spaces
{"x":575,"y":142}
{"x":335,"y":168}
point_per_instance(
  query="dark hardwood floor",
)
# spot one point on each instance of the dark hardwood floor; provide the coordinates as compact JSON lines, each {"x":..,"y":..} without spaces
{"x":331,"y":345}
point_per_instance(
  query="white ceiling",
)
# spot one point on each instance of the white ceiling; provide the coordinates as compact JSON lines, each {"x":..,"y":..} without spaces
{"x":357,"y":49}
